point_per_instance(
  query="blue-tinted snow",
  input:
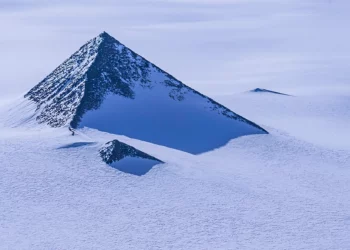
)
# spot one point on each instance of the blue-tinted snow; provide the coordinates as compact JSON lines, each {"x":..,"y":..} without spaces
{"x":154,"y":117}
{"x":134,"y":165}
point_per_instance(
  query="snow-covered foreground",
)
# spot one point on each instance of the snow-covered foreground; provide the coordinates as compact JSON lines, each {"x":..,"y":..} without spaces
{"x":276,"y":191}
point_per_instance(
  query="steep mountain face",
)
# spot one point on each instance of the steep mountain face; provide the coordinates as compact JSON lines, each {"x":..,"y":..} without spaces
{"x":59,"y":95}
{"x":106,"y":86}
{"x":127,"y":158}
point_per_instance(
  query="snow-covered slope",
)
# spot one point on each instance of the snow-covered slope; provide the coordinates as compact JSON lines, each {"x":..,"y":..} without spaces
{"x":108,"y":87}
{"x":321,"y":118}
{"x":258,"y":192}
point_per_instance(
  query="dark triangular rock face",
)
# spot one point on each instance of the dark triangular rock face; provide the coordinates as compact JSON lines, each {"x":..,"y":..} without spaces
{"x":127,"y":158}
{"x":80,"y":84}
{"x":106,"y":86}
{"x":115,"y":151}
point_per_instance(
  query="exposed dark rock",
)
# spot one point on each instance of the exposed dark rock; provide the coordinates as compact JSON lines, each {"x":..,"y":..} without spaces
{"x":115,"y":151}
{"x":127,"y":159}
{"x":259,"y":90}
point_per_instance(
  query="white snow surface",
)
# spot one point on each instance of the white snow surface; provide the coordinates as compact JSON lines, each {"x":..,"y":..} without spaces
{"x":285,"y":190}
{"x":322,"y":119}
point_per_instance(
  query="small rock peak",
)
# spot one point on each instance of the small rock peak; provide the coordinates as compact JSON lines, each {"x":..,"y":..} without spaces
{"x":260,"y":90}
{"x":108,"y":38}
{"x":104,"y":34}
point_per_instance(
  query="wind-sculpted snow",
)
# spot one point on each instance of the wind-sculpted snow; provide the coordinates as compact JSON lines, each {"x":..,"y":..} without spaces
{"x":258,"y":192}
{"x":107,"y":86}
{"x":127,"y":158}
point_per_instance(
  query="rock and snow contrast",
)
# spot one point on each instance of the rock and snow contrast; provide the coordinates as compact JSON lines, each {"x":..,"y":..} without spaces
{"x":106,"y":86}
{"x":259,"y":90}
{"x":127,"y":158}
{"x":128,"y":179}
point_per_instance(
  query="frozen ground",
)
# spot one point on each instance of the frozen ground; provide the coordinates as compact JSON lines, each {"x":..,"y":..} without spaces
{"x":286,"y":190}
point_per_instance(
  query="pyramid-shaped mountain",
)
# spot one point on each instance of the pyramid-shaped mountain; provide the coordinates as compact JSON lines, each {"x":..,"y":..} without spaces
{"x":106,"y":86}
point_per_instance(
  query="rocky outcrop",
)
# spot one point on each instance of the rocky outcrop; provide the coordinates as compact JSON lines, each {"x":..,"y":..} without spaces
{"x":115,"y":151}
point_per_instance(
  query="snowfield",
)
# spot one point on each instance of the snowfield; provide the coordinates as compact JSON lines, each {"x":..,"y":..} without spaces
{"x":288,"y":189}
{"x":275,"y":191}
{"x":322,"y":119}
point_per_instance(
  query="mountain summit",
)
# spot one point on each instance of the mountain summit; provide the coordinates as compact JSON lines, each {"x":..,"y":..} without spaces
{"x":106,"y":86}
